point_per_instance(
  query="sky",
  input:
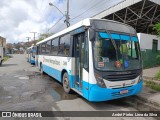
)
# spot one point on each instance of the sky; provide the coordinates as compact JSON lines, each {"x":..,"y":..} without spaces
{"x":20,"y":17}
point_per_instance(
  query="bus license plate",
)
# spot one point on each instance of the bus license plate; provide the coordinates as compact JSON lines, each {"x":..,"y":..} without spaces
{"x":123,"y":91}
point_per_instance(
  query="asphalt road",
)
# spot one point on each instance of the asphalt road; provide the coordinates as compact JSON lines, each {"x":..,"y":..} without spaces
{"x":23,"y":88}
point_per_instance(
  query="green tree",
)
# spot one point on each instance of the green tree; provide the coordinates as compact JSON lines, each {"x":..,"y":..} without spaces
{"x":157,"y":28}
{"x":44,"y":35}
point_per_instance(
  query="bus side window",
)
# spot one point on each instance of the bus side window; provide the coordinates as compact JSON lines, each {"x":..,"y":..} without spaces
{"x":48,"y":47}
{"x":43,"y":48}
{"x":39,"y":49}
{"x":64,"y":46}
{"x":86,"y":51}
{"x":54,"y":46}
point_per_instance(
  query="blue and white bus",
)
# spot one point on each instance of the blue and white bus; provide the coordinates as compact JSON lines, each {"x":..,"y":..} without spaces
{"x":99,"y":59}
{"x":31,"y":52}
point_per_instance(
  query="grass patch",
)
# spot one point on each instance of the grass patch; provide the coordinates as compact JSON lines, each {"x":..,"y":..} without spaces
{"x":153,"y":85}
{"x":6,"y":58}
{"x":157,"y":75}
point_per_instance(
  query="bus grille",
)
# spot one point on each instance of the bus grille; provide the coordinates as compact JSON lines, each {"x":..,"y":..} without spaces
{"x":120,"y":77}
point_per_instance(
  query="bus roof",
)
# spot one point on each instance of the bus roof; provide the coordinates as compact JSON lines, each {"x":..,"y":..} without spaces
{"x":85,"y":22}
{"x":31,"y":47}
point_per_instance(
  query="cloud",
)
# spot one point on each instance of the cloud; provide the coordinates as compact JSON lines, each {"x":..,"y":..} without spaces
{"x":19,"y":17}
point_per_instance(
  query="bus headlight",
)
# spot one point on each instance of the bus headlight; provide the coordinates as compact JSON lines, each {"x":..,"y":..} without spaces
{"x":100,"y":82}
{"x":140,"y":78}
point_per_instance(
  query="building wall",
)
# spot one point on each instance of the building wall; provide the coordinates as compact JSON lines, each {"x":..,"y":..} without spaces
{"x":3,"y":46}
{"x":2,"y":42}
{"x":146,"y":40}
{"x":148,"y":55}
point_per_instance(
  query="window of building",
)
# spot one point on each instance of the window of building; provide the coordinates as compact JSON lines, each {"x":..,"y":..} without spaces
{"x":54,"y":46}
{"x":64,"y":46}
{"x":155,"y":45}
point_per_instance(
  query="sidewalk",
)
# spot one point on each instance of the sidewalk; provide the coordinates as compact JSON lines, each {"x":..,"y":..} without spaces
{"x":151,"y":72}
{"x":148,"y":95}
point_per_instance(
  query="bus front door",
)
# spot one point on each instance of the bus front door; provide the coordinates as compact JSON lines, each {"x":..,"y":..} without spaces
{"x":81,"y":73}
{"x":79,"y":62}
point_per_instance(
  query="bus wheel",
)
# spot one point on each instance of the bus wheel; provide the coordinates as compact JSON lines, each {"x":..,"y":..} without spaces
{"x":66,"y":85}
{"x":41,"y":69}
{"x":0,"y":62}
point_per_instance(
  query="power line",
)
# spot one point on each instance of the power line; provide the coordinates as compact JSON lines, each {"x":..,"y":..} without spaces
{"x":76,"y":16}
{"x":93,"y":8}
{"x":55,"y":24}
{"x":28,"y":40}
{"x":34,"y":34}
{"x":87,"y":4}
{"x":98,"y":8}
{"x":66,"y":14}
{"x":86,"y":10}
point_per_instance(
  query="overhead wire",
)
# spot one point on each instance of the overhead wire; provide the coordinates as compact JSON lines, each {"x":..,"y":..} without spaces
{"x":55,"y":24}
{"x":86,"y":10}
{"x":93,"y":8}
{"x":77,"y":15}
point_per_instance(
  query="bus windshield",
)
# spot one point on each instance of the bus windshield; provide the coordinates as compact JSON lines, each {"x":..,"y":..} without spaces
{"x":116,"y":52}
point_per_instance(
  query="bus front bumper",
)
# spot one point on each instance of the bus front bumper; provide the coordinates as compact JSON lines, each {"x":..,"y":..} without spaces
{"x":103,"y":94}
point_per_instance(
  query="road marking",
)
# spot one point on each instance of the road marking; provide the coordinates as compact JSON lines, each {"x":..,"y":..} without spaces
{"x":18,"y":76}
{"x":24,"y":78}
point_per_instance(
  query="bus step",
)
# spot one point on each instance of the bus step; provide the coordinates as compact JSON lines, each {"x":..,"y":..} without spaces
{"x":77,"y":91}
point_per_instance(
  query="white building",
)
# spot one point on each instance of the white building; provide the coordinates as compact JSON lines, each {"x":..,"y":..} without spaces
{"x":149,"y":42}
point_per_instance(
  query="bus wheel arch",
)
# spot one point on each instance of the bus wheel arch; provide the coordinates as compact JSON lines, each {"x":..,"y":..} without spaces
{"x":66,"y":82}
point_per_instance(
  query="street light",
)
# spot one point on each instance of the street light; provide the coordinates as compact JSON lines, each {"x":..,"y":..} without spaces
{"x":51,"y":4}
{"x":28,"y":40}
{"x":66,"y":15}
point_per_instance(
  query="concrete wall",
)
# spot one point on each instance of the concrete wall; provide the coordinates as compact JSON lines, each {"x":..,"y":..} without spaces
{"x":149,"y":57}
{"x":146,"y":41}
{"x":2,"y":41}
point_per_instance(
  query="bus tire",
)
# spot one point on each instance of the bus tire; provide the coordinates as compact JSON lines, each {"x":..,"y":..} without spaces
{"x":41,"y":69}
{"x":66,"y":83}
{"x":0,"y":62}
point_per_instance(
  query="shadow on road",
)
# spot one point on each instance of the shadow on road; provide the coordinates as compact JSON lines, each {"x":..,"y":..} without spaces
{"x":8,"y":65}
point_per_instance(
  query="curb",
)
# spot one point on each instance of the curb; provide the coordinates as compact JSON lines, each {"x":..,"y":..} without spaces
{"x":143,"y":104}
{"x":153,"y":103}
{"x":157,"y":81}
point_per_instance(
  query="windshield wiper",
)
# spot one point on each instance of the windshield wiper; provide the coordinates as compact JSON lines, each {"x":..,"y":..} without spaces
{"x":115,"y":46}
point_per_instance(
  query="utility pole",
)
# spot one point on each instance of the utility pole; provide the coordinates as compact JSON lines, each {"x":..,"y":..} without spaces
{"x":67,"y":15}
{"x":28,"y":40}
{"x":34,"y":33}
{"x":28,"y":46}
